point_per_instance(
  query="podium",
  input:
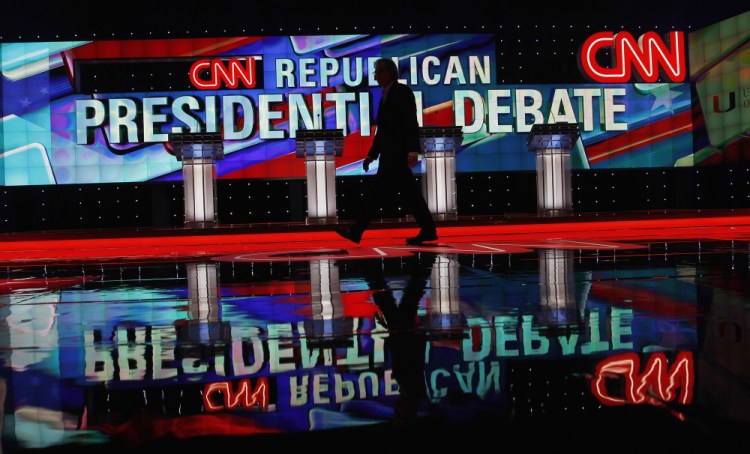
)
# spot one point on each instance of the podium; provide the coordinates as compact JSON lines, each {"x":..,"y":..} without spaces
{"x":198,"y":153}
{"x":439,"y":145}
{"x":319,"y":148}
{"x":552,"y":144}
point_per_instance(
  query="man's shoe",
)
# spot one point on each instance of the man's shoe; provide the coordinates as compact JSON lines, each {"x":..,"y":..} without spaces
{"x":424,"y":235}
{"x":350,"y":235}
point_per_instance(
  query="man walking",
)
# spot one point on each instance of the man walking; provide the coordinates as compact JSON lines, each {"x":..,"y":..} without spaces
{"x":396,"y":147}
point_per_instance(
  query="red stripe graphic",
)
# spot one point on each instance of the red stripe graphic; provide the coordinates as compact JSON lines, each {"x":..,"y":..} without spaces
{"x":641,"y":137}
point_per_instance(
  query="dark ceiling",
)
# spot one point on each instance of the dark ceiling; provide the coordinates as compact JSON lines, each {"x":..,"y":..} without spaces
{"x":26,"y":21}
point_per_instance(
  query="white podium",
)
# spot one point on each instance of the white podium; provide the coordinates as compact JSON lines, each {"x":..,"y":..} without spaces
{"x":552,"y":144}
{"x":320,"y":147}
{"x":198,"y":154}
{"x":439,"y":145}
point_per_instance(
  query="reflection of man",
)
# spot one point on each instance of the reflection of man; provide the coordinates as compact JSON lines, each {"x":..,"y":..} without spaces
{"x":395,"y":146}
{"x":406,"y":341}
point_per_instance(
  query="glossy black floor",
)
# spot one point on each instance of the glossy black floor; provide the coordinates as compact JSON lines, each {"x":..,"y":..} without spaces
{"x":568,"y":348}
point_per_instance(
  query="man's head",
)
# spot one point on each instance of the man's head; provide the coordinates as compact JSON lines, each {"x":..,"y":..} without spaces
{"x":386,"y":71}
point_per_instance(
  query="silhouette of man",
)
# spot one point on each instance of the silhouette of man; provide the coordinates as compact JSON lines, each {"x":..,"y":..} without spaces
{"x":406,"y":341}
{"x":396,"y":147}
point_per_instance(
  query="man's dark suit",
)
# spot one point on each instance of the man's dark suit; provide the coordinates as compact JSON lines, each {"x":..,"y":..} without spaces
{"x":397,"y":135}
{"x":398,"y":130}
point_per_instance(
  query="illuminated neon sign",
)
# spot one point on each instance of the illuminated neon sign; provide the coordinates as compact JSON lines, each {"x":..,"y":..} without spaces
{"x":655,"y":378}
{"x":644,"y":57}
{"x":243,"y":395}
{"x":230,"y":73}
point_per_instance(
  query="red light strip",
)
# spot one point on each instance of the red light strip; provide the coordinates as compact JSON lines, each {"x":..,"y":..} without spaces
{"x":197,"y":246}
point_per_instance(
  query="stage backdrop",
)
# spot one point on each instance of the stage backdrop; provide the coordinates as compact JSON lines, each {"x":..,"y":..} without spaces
{"x":104,"y":111}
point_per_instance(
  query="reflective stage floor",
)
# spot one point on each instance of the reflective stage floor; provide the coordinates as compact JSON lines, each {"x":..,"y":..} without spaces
{"x":627,"y":329}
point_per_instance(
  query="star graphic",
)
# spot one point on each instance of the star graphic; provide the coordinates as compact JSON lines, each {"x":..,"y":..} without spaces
{"x":663,"y":95}
{"x":25,"y":102}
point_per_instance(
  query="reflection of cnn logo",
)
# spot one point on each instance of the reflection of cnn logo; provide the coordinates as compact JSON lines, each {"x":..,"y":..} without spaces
{"x":221,"y":395}
{"x":211,"y":74}
{"x":655,"y":384}
{"x":643,"y":59}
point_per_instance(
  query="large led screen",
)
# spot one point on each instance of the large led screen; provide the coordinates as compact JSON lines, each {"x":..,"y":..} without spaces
{"x":720,"y":71}
{"x":106,"y":111}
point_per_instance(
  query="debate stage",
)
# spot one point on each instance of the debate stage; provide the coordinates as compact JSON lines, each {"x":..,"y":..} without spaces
{"x":276,"y":241}
{"x":627,"y":328}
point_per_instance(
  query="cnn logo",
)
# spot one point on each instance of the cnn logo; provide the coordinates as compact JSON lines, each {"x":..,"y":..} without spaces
{"x":210,"y":74}
{"x":645,"y":58}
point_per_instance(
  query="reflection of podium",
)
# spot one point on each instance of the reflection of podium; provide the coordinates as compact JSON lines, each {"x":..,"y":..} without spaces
{"x":198,"y":153}
{"x":328,"y":325}
{"x":444,"y":317}
{"x":552,"y":144}
{"x":320,"y":147}
{"x":562,"y":302}
{"x":203,"y":291}
{"x":439,"y":145}
{"x":203,"y":334}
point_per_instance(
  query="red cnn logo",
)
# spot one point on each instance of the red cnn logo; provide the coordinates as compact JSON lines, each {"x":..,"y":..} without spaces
{"x":654,"y":384}
{"x":646,"y":57}
{"x":220,"y":395}
{"x":210,"y":74}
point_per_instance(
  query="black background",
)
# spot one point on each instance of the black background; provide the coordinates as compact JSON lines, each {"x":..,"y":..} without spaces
{"x":29,"y":19}
{"x":534,"y":42}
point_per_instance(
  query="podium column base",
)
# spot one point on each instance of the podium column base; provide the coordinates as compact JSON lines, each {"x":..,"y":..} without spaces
{"x":201,"y":224}
{"x":322,"y":221}
{"x":444,"y":216}
{"x":554,"y":212}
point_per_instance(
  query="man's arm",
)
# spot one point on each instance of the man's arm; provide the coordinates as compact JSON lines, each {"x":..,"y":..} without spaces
{"x":366,"y":163}
{"x":373,"y":153}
